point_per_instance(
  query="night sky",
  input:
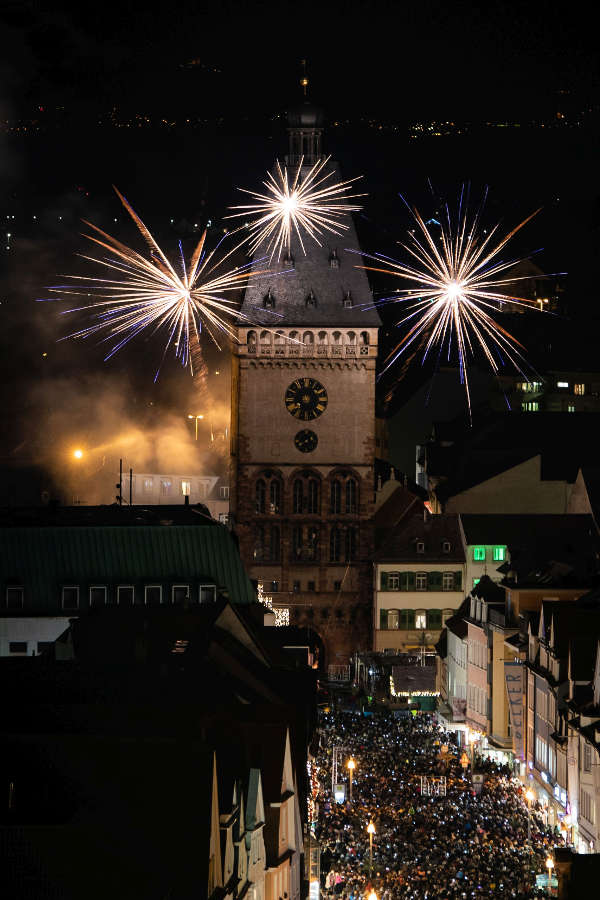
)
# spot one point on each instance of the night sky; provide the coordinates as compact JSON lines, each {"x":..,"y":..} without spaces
{"x":100,"y":94}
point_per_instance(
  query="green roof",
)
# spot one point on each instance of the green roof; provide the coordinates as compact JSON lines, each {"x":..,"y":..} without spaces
{"x":44,"y":559}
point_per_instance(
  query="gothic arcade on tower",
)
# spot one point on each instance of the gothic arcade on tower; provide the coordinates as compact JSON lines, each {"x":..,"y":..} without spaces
{"x":303,"y":427}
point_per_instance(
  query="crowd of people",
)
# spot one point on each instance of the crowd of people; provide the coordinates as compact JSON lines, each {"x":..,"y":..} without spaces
{"x":459,"y":841}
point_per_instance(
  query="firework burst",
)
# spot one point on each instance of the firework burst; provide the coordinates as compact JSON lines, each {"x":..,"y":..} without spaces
{"x":151,"y":293}
{"x":292,"y":205}
{"x":457,"y":281}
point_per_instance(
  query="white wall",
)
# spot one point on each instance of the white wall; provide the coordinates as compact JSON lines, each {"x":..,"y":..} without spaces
{"x":30,"y":629}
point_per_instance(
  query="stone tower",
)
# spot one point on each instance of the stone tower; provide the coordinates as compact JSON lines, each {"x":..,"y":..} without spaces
{"x":303,"y":427}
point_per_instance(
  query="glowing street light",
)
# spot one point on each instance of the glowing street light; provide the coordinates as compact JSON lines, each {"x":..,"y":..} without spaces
{"x":351,"y":768}
{"x":196,"y":418}
{"x":371,"y":832}
{"x":78,"y":454}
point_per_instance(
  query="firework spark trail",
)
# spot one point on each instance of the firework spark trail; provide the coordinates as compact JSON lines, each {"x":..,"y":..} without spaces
{"x":152,"y":294}
{"x":313,"y":205}
{"x":456,"y":285}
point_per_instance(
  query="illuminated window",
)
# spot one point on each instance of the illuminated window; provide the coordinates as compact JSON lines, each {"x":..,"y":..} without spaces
{"x":579,"y":389}
{"x":165,"y":487}
{"x":393,"y":618}
{"x":393,"y":582}
{"x":148,"y":485}
{"x":420,"y":619}
{"x":479,"y":554}
{"x":498,"y":554}
{"x":186,"y":488}
{"x":562,"y":384}
{"x":570,"y":408}
{"x":421,"y":581}
{"x":476,"y":581}
{"x":530,"y":406}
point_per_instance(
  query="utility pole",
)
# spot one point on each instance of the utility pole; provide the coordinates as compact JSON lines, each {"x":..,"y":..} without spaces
{"x":119,"y":497}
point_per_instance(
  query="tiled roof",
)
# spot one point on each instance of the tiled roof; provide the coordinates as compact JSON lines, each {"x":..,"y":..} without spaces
{"x":312,"y":272}
{"x":400,"y":544}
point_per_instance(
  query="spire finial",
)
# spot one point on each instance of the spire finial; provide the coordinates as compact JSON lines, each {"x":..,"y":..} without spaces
{"x":304,"y":79}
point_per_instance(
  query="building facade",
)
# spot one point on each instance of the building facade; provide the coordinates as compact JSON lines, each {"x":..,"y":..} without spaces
{"x":303,"y":428}
{"x":418,"y":583}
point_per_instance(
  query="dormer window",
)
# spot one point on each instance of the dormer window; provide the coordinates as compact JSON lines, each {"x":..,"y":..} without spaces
{"x":420,"y":547}
{"x":311,"y":300}
{"x":269,"y":300}
{"x":347,"y":301}
{"x":446,"y":547}
{"x":334,"y":260}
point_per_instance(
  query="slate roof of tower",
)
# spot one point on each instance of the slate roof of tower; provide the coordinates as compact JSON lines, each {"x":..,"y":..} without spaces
{"x":313,"y":272}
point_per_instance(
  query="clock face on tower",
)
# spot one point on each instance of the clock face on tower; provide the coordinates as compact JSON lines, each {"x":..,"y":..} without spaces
{"x":306,"y":399}
{"x":306,"y":441}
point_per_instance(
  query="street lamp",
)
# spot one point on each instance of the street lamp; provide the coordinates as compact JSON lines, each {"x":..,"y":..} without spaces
{"x":78,"y":454}
{"x":549,"y":866}
{"x":371,"y":832}
{"x":196,"y":418}
{"x":351,"y":768}
{"x":473,"y":738}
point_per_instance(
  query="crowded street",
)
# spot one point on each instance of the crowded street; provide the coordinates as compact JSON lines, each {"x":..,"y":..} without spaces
{"x":405,"y":836}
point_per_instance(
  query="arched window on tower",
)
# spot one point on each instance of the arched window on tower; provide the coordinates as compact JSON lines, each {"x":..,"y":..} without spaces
{"x":364,"y":338}
{"x":351,"y":496}
{"x":350,"y":338}
{"x":275,"y":496}
{"x":259,"y":543}
{"x":351,"y":544}
{"x":279,"y":338}
{"x":261,"y":494}
{"x":335,"y":544}
{"x":322,"y":337}
{"x":308,"y":338}
{"x":268,"y":493}
{"x":298,"y":491}
{"x":313,"y":505}
{"x":269,"y":300}
{"x":336,"y":337}
{"x":336,"y":496}
{"x":275,"y":543}
{"x":265,"y":339}
{"x":251,"y":339}
{"x":297,"y":542}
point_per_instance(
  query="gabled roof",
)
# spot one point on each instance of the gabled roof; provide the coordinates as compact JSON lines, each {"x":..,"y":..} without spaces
{"x":496,"y":443}
{"x":400,"y":543}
